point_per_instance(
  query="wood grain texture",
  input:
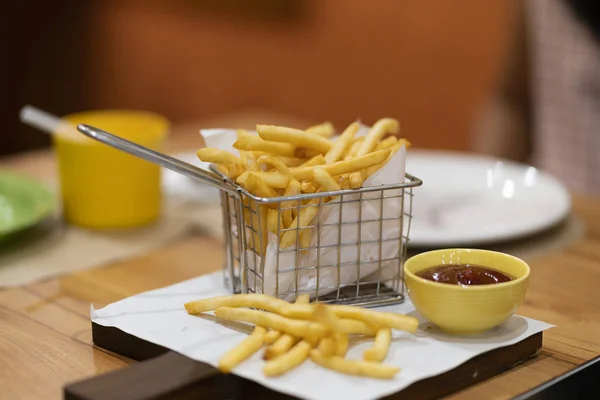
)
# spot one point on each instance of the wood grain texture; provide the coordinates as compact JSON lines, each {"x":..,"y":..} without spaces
{"x":46,"y":335}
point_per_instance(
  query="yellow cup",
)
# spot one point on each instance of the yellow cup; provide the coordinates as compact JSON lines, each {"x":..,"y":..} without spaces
{"x":104,"y":188}
{"x":466,"y":310}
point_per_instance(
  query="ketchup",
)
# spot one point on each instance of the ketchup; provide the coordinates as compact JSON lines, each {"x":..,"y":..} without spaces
{"x":464,"y":274}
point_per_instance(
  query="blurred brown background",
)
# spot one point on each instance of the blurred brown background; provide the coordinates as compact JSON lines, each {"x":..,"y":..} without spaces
{"x":428,"y":63}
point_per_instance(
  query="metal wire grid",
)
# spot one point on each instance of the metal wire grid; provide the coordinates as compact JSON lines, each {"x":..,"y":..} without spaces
{"x":332,"y":273}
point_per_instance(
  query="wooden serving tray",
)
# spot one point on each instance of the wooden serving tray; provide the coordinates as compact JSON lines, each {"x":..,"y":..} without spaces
{"x":164,"y":374}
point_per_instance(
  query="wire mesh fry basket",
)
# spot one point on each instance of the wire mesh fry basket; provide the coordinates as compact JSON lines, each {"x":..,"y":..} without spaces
{"x":346,"y":247}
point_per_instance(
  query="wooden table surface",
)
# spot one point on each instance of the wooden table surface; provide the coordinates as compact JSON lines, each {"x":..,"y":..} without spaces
{"x":45,"y":331}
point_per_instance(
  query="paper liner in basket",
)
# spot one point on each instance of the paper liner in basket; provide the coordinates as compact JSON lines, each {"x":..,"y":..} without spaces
{"x":371,"y":208}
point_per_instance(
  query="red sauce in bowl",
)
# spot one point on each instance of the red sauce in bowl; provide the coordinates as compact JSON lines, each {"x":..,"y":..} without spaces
{"x":464,"y":275}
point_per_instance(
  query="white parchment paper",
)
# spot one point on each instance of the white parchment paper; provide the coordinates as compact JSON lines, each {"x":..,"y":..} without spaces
{"x":159,"y":317}
{"x":283,"y":284}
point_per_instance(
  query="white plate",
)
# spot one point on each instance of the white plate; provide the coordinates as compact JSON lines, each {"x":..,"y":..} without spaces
{"x":175,"y":184}
{"x":469,"y":199}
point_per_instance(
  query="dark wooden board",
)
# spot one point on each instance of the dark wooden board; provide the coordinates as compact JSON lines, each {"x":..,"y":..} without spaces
{"x":163,"y":374}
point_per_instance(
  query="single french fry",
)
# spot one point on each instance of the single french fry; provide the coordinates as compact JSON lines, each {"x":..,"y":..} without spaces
{"x":325,"y":180}
{"x":380,"y":128}
{"x":326,"y":316}
{"x":381,"y":345}
{"x":371,"y":170}
{"x":325,"y":129}
{"x":272,"y":179}
{"x":312,"y":153}
{"x":343,"y":142}
{"x":251,"y":159}
{"x":257,"y":186}
{"x":356,"y":179}
{"x":241,"y":133}
{"x":387,"y":143}
{"x":305,"y":236}
{"x":275,"y":163}
{"x":274,"y":221}
{"x":289,"y":161}
{"x":241,"y":352}
{"x":341,"y":344}
{"x":308,"y":187}
{"x":258,"y":222}
{"x":376,"y":318}
{"x":251,"y":300}
{"x":254,"y":143}
{"x":344,"y":181}
{"x":295,"y":137}
{"x":343,"y":167}
{"x":272,"y":336}
{"x":327,"y":346}
{"x":355,"y":327}
{"x":303,"y":299}
{"x":281,"y":346}
{"x":404,"y":142}
{"x":303,"y":219}
{"x":287,"y":215}
{"x":319,"y":159}
{"x":353,"y":149}
{"x":234,"y":171}
{"x":358,"y":163}
{"x":299,"y":328}
{"x":288,"y":361}
{"x":217,"y":156}
{"x":352,"y":367}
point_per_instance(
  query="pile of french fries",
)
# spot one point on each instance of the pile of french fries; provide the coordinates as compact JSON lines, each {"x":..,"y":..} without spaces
{"x":282,"y":161}
{"x":292,"y":333}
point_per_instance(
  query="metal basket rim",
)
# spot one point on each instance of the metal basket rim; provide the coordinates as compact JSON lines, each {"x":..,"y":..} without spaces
{"x":413,"y":182}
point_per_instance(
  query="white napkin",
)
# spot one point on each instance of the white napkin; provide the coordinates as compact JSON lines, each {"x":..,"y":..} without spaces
{"x":159,"y":317}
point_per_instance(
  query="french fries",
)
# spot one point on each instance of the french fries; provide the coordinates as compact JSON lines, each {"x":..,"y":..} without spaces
{"x":325,"y":180}
{"x":288,"y":361}
{"x":379,"y":129}
{"x":341,"y":344}
{"x":272,"y":336}
{"x":274,"y":221}
{"x":281,"y":163}
{"x":303,"y":219}
{"x":253,"y":143}
{"x":293,"y":188}
{"x":381,"y":346}
{"x":299,"y":328}
{"x":285,"y":341}
{"x":241,"y":352}
{"x":327,"y":346}
{"x":217,"y":156}
{"x":352,"y":367}
{"x":292,"y":333}
{"x":278,"y":161}
{"x":274,"y":181}
{"x":275,"y":163}
{"x":316,"y":160}
{"x":294,"y":136}
{"x":325,"y":129}
{"x":338,"y":149}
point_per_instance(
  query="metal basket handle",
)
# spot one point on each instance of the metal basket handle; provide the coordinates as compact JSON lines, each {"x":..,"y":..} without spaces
{"x":181,"y":167}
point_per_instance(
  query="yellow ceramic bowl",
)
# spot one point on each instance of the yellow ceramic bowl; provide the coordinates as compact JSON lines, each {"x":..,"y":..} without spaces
{"x":466,"y":310}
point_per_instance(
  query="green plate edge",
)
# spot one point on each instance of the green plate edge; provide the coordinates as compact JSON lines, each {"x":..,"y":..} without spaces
{"x":44,"y":198}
